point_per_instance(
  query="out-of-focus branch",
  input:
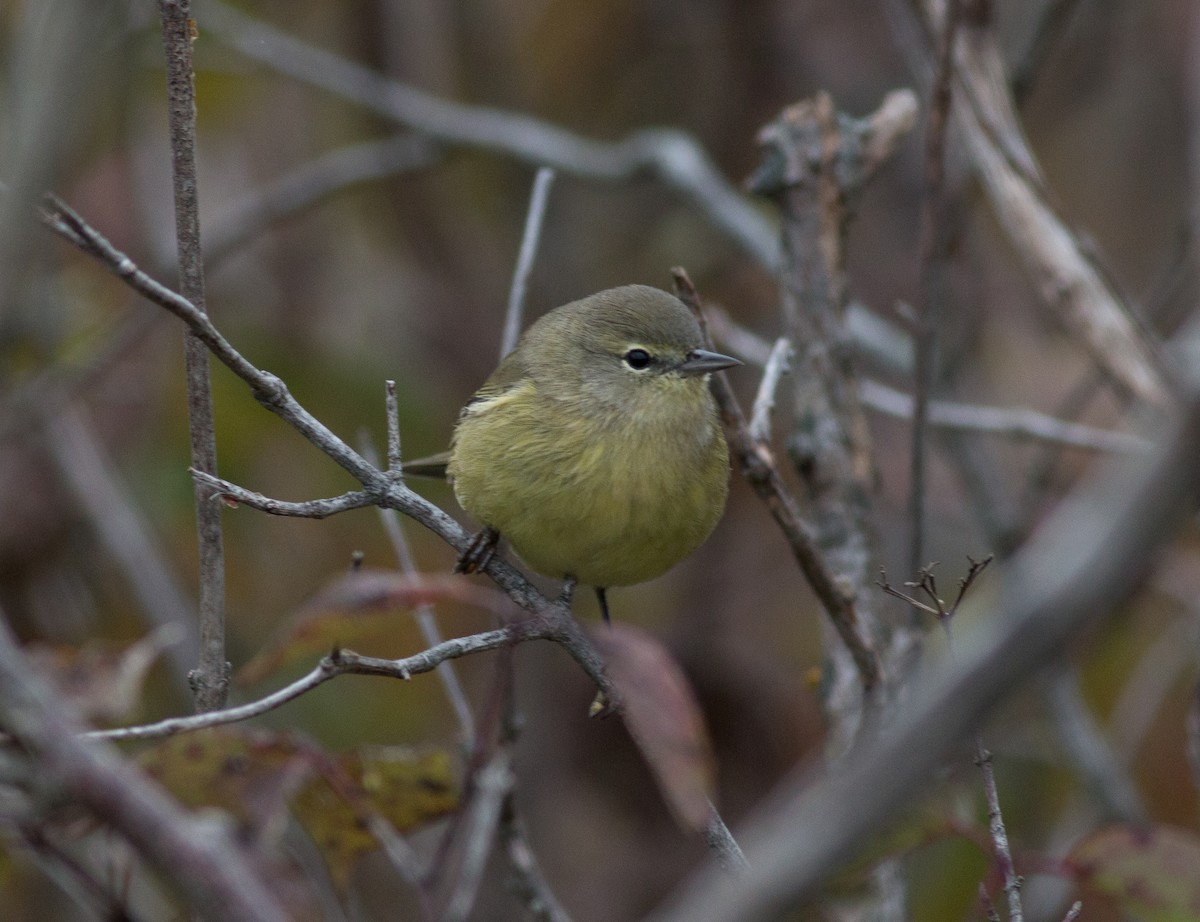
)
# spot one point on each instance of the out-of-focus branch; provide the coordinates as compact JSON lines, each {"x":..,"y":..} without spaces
{"x":1104,"y":776}
{"x":672,"y":157}
{"x":211,"y":869}
{"x":539,"y":199}
{"x":307,"y":184}
{"x":210,"y":679}
{"x":1011,"y":422}
{"x":125,"y":535}
{"x":1055,"y":18}
{"x":931,"y":259}
{"x":1081,"y":566}
{"x":491,"y":785}
{"x":1065,"y":271}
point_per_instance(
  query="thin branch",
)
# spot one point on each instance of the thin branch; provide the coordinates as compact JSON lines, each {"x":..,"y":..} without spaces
{"x":210,"y":679}
{"x":529,"y":881}
{"x":777,"y":365}
{"x":233,"y":495}
{"x":538,"y":200}
{"x":423,"y":614}
{"x":491,"y":784}
{"x":931,"y":271}
{"x":1012,"y":883}
{"x":340,"y":662}
{"x":758,"y":466}
{"x":1011,"y":422}
{"x":672,"y":157}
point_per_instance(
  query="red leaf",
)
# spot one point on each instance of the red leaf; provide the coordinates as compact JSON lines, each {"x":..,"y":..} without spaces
{"x":664,"y":719}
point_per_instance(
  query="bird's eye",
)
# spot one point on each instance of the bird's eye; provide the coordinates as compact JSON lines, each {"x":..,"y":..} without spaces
{"x":637,"y":359}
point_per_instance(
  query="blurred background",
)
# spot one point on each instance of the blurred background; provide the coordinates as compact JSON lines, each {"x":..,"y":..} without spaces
{"x":406,"y":276}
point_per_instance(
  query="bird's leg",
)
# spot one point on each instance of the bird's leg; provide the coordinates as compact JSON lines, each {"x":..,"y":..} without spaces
{"x":600,"y":590}
{"x":479,"y":552}
{"x":568,"y":590}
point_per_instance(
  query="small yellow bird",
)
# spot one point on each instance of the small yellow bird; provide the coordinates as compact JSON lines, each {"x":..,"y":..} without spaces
{"x":595,"y":447}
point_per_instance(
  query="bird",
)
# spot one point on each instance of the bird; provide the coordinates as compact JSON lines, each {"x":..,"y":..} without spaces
{"x":595,"y":448}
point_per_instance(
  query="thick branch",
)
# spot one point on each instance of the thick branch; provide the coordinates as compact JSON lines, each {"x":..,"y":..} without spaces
{"x":210,"y":679}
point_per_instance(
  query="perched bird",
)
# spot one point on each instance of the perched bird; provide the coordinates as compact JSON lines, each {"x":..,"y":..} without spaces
{"x":595,"y":447}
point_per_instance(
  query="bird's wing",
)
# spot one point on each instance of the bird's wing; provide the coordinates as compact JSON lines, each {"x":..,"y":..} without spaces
{"x":510,"y":378}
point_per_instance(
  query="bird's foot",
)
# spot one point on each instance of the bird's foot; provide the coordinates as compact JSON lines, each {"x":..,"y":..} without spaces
{"x":479,"y":552}
{"x":568,"y":590}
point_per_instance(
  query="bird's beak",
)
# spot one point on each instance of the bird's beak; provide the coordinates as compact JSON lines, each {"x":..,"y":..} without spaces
{"x":701,"y":362}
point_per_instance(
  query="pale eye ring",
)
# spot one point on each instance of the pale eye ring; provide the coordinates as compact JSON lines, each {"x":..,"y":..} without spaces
{"x":638,"y":359}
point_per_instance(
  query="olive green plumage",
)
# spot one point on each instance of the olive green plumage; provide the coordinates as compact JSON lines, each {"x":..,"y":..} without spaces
{"x":595,"y":447}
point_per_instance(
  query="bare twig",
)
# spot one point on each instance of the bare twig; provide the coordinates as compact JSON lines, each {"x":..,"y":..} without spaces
{"x":395,"y":460}
{"x":931,"y":271}
{"x":926,"y":584}
{"x":538,"y":200}
{"x":758,"y":466}
{"x":672,"y":157}
{"x":1012,"y":883}
{"x":210,"y":679}
{"x":729,"y":855}
{"x":341,"y":662}
{"x":776,"y":366}
{"x":233,"y":495}
{"x":423,"y":614}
